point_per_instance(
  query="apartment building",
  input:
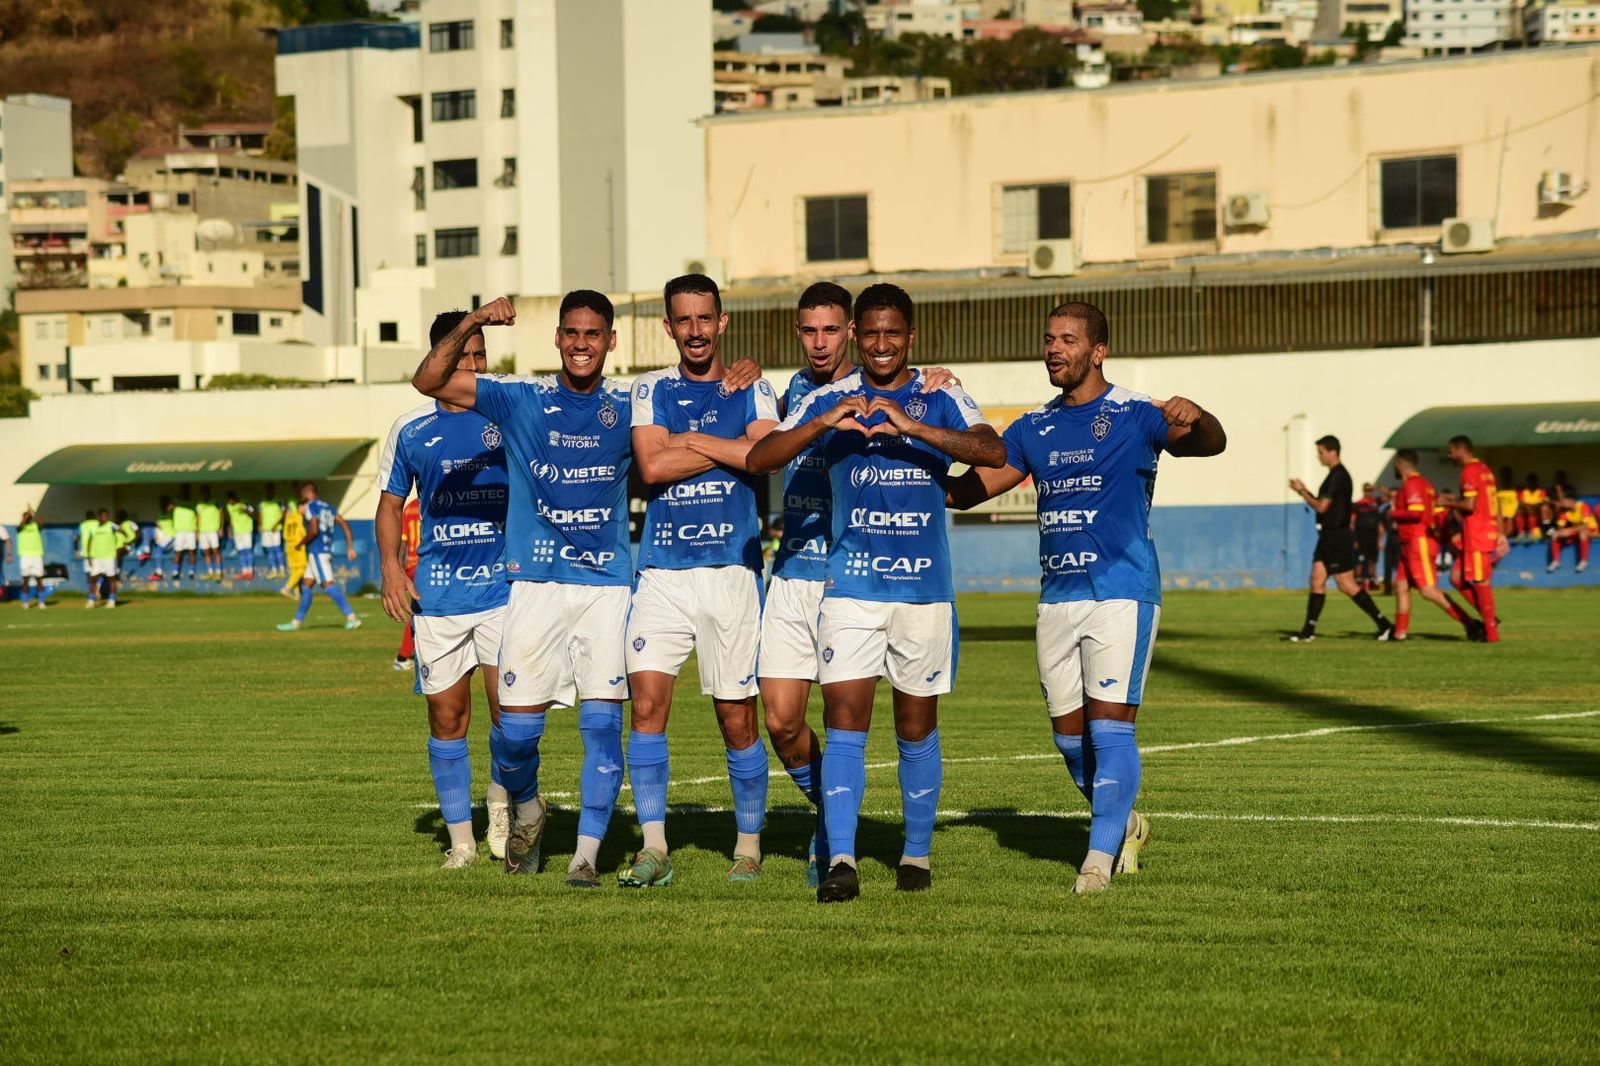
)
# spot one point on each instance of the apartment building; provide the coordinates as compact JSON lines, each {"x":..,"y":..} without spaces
{"x":1454,"y":27}
{"x":1561,"y":22}
{"x":35,"y":142}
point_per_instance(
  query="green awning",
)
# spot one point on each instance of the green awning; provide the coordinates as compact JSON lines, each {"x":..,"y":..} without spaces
{"x":242,"y":460}
{"x":1502,"y":425}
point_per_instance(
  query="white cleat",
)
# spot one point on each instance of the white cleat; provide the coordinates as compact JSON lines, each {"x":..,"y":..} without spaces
{"x":459,"y":858}
{"x":1090,"y":882}
{"x":352,"y":622}
{"x":499,"y":826}
{"x":1132,"y":845}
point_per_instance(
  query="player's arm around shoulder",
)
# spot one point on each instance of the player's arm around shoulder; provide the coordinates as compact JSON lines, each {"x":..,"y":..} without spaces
{"x":1191,"y":429}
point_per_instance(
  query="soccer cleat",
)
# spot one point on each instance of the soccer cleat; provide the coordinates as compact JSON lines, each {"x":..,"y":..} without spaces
{"x":1089,"y":883}
{"x":583,"y":876}
{"x":499,"y":827}
{"x":1386,"y":633}
{"x":842,"y":884}
{"x":111,"y":604}
{"x":522,"y":845}
{"x":1581,"y":567}
{"x":1132,"y":844}
{"x":909,"y":878}
{"x":288,"y":627}
{"x":352,"y":622}
{"x":813,"y":875}
{"x":1476,"y":632}
{"x":745,"y":868}
{"x":285,"y":593}
{"x":1552,"y":568}
{"x":459,"y":858}
{"x":649,"y":869}
{"x":401,"y":664}
{"x":1305,"y":636}
{"x":90,"y":604}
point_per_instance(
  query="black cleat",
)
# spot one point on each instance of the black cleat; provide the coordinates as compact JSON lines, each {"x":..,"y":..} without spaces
{"x":1386,"y":632}
{"x":911,"y":878}
{"x":1476,"y":632}
{"x":841,"y":884}
{"x":1305,"y":636}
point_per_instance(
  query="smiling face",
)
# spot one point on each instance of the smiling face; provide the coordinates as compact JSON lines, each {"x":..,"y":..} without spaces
{"x":696,"y":328}
{"x":583,"y":339}
{"x":1069,"y":356}
{"x":825,"y":333}
{"x":884,"y":341}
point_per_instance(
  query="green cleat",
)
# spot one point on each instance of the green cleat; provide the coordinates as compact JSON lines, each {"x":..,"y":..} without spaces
{"x":649,"y":869}
{"x":582,"y":875}
{"x":744,"y":868}
{"x":527,"y":831}
{"x":1133,"y":844}
{"x":283,"y":627}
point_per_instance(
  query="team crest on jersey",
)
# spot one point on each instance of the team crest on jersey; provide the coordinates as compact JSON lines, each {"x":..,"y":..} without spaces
{"x":491,"y":436}
{"x":638,"y":644}
{"x":916,"y":409}
{"x":722,"y":390}
{"x":1100,"y":426}
{"x":608,"y":416}
{"x":827,"y":654}
{"x":509,"y":677}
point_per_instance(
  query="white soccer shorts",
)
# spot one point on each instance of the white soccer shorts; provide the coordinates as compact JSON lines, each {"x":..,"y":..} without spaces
{"x":32,"y":565}
{"x":319,"y":567}
{"x":789,"y":629}
{"x":563,"y":644}
{"x":1101,"y":648}
{"x":271,"y":538}
{"x":183,"y":542}
{"x":207,"y":541}
{"x":714,"y":611}
{"x":914,"y":645}
{"x":451,"y":646}
{"x":102,"y":567}
{"x":244,"y":541}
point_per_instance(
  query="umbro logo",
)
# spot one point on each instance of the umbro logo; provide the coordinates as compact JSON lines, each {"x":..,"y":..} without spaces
{"x":431,"y":443}
{"x":836,"y":790}
{"x":1108,"y":682}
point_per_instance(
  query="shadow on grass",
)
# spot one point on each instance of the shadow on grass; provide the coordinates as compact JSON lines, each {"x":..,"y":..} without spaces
{"x":7,"y":729}
{"x":1039,"y":836}
{"x":1477,"y":740}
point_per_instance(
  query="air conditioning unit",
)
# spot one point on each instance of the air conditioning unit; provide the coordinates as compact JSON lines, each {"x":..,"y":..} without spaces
{"x":1466,"y":235}
{"x":1051,"y":259}
{"x":713,"y":267}
{"x":1247,"y":209}
{"x":1555,"y":189}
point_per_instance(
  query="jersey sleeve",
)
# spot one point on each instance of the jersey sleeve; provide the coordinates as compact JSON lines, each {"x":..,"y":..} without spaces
{"x":644,"y":403}
{"x":967,"y":412}
{"x":763,"y":402}
{"x":809,"y":408}
{"x":1016,"y":458}
{"x":394,"y":471}
{"x":496,"y":398}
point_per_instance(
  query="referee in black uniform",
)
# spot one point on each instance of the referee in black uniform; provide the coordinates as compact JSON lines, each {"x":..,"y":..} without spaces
{"x":1336,"y":550}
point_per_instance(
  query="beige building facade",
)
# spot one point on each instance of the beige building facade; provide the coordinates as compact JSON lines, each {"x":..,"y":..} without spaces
{"x":1328,"y":159}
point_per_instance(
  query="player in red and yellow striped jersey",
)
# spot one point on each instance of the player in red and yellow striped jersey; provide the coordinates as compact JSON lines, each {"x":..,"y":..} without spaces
{"x":1575,"y":523}
{"x":411,"y":537}
{"x":1480,"y":534}
{"x":1414,"y":517}
{"x":1529,"y":498}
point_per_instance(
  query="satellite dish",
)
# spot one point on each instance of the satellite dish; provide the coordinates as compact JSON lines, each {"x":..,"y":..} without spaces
{"x":216,"y":230}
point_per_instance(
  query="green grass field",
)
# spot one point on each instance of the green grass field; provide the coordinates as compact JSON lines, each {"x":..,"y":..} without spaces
{"x":220,"y":845}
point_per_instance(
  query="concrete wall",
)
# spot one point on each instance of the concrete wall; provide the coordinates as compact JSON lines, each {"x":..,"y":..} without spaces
{"x":1311,"y":140}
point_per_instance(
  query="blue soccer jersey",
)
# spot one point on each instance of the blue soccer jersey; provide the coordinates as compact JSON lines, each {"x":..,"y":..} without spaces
{"x":709,"y":519}
{"x":1094,"y":466}
{"x":807,"y":500}
{"x":889,"y":539}
{"x":322,"y":513}
{"x":455,"y":461}
{"x":570,"y":455}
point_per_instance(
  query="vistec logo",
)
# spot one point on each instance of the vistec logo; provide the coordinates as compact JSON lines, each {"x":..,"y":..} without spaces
{"x":545,"y":471}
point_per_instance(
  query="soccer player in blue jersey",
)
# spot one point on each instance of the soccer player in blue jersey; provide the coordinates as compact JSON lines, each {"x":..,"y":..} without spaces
{"x":700,"y":563}
{"x":318,"y":545}
{"x":1092,"y":454}
{"x":799,"y":568}
{"x":888,"y":607}
{"x":454,"y":459}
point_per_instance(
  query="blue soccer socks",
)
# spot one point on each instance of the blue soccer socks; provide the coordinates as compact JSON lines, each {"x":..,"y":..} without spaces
{"x":451,"y":765}
{"x":807,"y":777}
{"x":519,"y":753}
{"x":1080,"y":763}
{"x":1114,"y":781}
{"x":747,"y":776}
{"x":921,"y":777}
{"x":648,"y":770}
{"x":305,"y":602}
{"x":844,"y":782}
{"x":336,"y":593}
{"x":600,"y":724}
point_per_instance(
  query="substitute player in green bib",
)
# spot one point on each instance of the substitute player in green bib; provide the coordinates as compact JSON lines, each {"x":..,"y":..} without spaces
{"x":30,"y":558}
{"x":184,"y":530}
{"x":209,"y":534}
{"x":243,"y":525}
{"x":103,"y":540}
{"x":269,"y":527}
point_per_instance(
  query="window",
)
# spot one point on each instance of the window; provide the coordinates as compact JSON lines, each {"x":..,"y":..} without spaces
{"x":422,"y":249}
{"x":246,"y":324}
{"x":508,"y":103}
{"x":388,"y":332}
{"x":509,"y":245}
{"x":1034,"y":213}
{"x":508,"y":173}
{"x":450,"y":36}
{"x":455,"y":174}
{"x":44,"y":371}
{"x":183,"y":199}
{"x":419,"y":189}
{"x":415,"y":104}
{"x":61,"y":329}
{"x":455,"y":243}
{"x":1181,"y":208}
{"x":508,"y":33}
{"x":1417,"y":192}
{"x":164,"y":320}
{"x":42,"y":331}
{"x":105,"y":327}
{"x":454,"y":106}
{"x":275,"y":322}
{"x":836,"y":228}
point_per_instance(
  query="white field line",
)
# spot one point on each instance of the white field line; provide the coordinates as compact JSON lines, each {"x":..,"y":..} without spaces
{"x":1156,"y":749}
